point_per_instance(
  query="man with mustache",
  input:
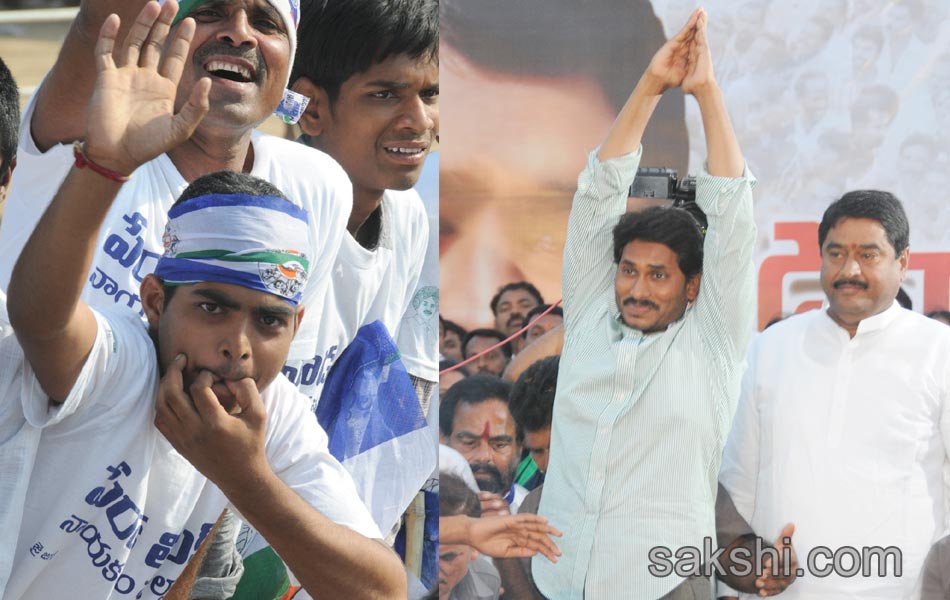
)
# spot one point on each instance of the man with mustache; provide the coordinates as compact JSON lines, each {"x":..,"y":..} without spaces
{"x":510,"y":305}
{"x":843,"y":425}
{"x":474,"y":419}
{"x":651,"y":364}
{"x":491,"y":362}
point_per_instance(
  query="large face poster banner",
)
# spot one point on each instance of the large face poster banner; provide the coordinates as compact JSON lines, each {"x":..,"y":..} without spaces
{"x":826,"y":96}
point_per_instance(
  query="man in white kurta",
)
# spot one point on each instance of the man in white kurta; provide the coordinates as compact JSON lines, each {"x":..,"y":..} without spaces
{"x":844,"y":421}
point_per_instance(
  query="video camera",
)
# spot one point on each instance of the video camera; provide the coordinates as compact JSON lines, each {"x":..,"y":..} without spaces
{"x":662,"y":183}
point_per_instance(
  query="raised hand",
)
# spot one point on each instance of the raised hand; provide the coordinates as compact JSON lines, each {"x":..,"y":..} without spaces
{"x":131,"y":115}
{"x":226,"y":448}
{"x":769,"y":584}
{"x":699,"y":70}
{"x":670,"y":65}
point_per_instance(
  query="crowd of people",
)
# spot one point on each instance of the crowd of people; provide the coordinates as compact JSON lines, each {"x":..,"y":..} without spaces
{"x":218,"y":348}
{"x":651,"y":416}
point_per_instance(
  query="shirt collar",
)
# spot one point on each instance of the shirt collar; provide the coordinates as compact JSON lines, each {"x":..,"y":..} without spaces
{"x":873,"y":323}
{"x":880,"y":320}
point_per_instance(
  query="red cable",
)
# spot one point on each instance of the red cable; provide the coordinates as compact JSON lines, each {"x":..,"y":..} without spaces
{"x":501,"y":343}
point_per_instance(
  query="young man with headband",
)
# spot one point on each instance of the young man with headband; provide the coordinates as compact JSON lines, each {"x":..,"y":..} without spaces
{"x":146,"y":435}
{"x":657,"y":317}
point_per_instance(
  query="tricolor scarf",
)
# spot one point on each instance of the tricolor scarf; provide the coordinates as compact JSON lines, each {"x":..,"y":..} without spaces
{"x":258,"y":242}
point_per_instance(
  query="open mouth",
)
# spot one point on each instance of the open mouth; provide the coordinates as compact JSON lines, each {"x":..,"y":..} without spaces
{"x":413,"y":153}
{"x":229,"y":71}
{"x":406,"y":151}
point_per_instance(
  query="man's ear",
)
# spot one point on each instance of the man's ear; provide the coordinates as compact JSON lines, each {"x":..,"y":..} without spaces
{"x":298,"y":318}
{"x":317,"y":111}
{"x":904,"y":259}
{"x":692,"y":287}
{"x":152,"y":293}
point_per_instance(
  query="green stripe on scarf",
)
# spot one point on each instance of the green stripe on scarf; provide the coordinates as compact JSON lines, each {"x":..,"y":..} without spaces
{"x":185,"y":7}
{"x":277,"y":258}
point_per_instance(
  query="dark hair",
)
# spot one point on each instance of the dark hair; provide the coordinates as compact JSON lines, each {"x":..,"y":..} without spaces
{"x":454,"y":327}
{"x":223,"y":182}
{"x":673,"y":227}
{"x":9,"y":117}
{"x":484,"y":332}
{"x":532,"y":397}
{"x":517,"y":285}
{"x":446,"y":363}
{"x":939,"y":314}
{"x":537,"y":310}
{"x":471,"y":390}
{"x":456,"y":498}
{"x":340,"y":38}
{"x":229,"y":182}
{"x":879,"y":206}
{"x":904,"y":300}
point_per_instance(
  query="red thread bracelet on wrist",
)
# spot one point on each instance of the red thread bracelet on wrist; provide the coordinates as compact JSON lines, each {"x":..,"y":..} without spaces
{"x":82,"y":161}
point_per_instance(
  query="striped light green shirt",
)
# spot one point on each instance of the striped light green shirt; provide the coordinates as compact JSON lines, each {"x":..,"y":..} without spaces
{"x":640,"y":420}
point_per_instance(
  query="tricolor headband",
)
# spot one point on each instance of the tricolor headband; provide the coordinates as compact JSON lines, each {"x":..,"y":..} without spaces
{"x":258,"y":242}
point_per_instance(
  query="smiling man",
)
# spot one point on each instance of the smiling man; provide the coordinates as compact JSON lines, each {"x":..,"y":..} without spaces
{"x":656,"y":322}
{"x":145,"y":435}
{"x":245,"y":49}
{"x":371,"y":71}
{"x":861,"y":390}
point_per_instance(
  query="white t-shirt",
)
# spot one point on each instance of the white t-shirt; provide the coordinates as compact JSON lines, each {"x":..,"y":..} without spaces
{"x":18,"y":443}
{"x":418,"y":339}
{"x":112,"y":510}
{"x":368,"y":285}
{"x":130,"y":239}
